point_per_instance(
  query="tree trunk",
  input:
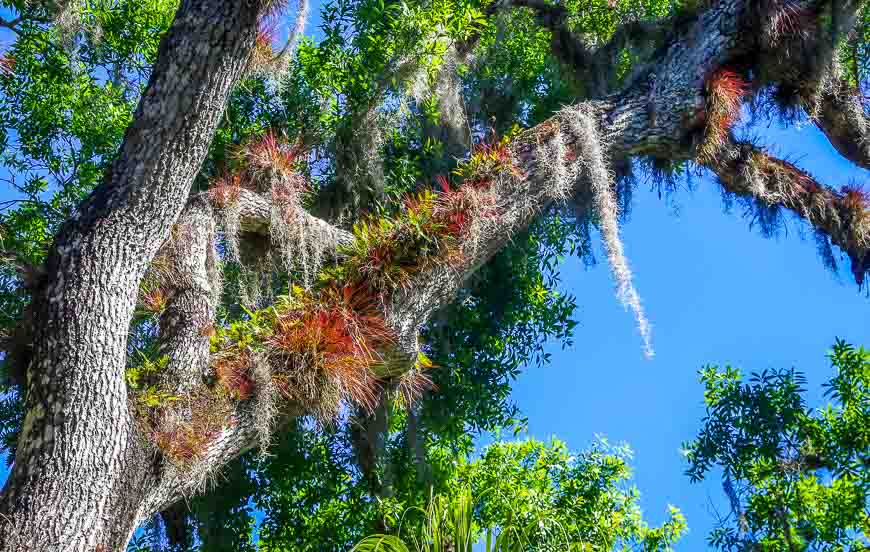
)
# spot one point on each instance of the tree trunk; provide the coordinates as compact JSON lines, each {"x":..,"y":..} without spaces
{"x":82,"y":467}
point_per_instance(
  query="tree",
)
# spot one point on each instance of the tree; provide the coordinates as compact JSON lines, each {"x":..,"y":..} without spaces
{"x":117,"y":415}
{"x":796,"y":478}
{"x":531,"y":496}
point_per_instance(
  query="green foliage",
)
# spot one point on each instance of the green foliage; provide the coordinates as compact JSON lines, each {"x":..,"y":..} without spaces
{"x":365,"y":91}
{"x":448,"y":526}
{"x":387,"y":251}
{"x":146,"y":370}
{"x":312,"y":497}
{"x":532,"y":496}
{"x":578,"y":498}
{"x":796,"y":478}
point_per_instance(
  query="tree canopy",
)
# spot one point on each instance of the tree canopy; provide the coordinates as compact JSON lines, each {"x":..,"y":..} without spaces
{"x":263,"y":275}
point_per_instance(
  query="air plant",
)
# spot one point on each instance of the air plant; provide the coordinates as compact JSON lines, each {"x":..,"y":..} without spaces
{"x":856,"y":200}
{"x":154,"y":300}
{"x":182,"y":428}
{"x":225,"y":190}
{"x":184,"y":442}
{"x":725,"y":92}
{"x":264,"y":45}
{"x":339,"y":336}
{"x":789,"y":19}
{"x":414,"y":383}
{"x":233,"y":373}
{"x":269,"y":155}
{"x":388,"y":251}
{"x":487,"y":161}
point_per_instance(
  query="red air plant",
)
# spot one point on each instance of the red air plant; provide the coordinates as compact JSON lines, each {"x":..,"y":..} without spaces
{"x":494,"y":150}
{"x":184,"y":443}
{"x":855,"y":198}
{"x":443,"y":183}
{"x":154,"y":301}
{"x":234,"y":374}
{"x":456,"y":207}
{"x":342,"y":334}
{"x":269,"y":153}
{"x":809,"y":185}
{"x":225,"y":190}
{"x":264,"y":50}
{"x":725,"y":92}
{"x":454,"y":211}
{"x":495,"y":153}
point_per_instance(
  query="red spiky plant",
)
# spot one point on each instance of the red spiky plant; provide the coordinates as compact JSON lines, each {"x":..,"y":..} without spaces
{"x":453,"y":207}
{"x":225,"y":190}
{"x":855,"y":198}
{"x":270,"y":151}
{"x":388,"y":251}
{"x":457,"y":207}
{"x":264,"y":46}
{"x":186,"y":440}
{"x":725,"y":92}
{"x":487,"y":159}
{"x":457,"y":210}
{"x":341,"y":335}
{"x":182,"y":444}
{"x":809,"y":185}
{"x":269,"y":162}
{"x":154,"y":301}
{"x":233,"y":373}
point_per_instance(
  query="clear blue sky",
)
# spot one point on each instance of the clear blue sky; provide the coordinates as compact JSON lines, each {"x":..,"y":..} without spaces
{"x":716,"y":292}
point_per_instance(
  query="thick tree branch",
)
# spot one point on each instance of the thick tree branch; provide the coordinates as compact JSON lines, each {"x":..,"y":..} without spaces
{"x":185,"y":270}
{"x":11,"y":24}
{"x":842,"y":116}
{"x":797,"y":54}
{"x":747,"y":171}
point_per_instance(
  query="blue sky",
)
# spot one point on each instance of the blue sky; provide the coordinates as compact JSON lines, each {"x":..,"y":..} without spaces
{"x":716,"y":292}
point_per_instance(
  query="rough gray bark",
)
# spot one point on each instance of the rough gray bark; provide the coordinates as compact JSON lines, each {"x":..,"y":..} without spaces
{"x":843,"y":118}
{"x":85,"y":475}
{"x":82,"y":470}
